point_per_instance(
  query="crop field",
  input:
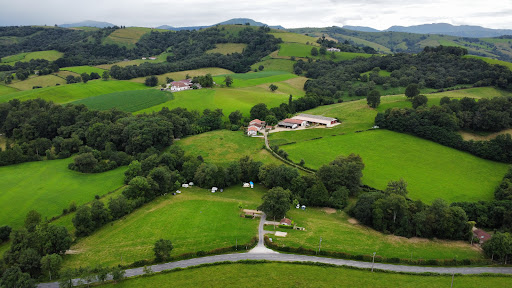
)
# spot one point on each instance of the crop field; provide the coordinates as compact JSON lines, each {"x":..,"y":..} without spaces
{"x":341,"y":233}
{"x":4,"y":90}
{"x":298,"y":275}
{"x":182,"y":74}
{"x":288,"y":37}
{"x":492,"y":61}
{"x":129,"y":101}
{"x":275,"y":65}
{"x":227,"y":99}
{"x":228,"y":48}
{"x":302,"y":50}
{"x":83,"y":69}
{"x":50,"y":55}
{"x":48,"y":187}
{"x":223,"y":146}
{"x":72,"y":92}
{"x":126,"y":37}
{"x":43,"y":81}
{"x":452,"y":175}
{"x":194,"y":220}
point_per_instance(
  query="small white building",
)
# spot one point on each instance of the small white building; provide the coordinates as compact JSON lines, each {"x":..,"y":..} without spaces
{"x":252,"y":131}
{"x":152,"y":58}
{"x":332,"y":49}
{"x":184,"y":185}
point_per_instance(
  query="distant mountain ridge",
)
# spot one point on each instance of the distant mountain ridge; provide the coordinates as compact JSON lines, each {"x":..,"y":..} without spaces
{"x":361,"y":28}
{"x":452,"y":30}
{"x":234,"y":21}
{"x":88,"y":23}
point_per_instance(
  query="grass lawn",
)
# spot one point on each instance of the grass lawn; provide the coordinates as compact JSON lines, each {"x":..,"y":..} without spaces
{"x":299,"y":275}
{"x":289,"y":37}
{"x":194,"y":220}
{"x":275,"y":65}
{"x":48,"y":187}
{"x":83,"y":69}
{"x":302,"y":50}
{"x":50,"y":55}
{"x":222,"y":147}
{"x":228,"y":48}
{"x":129,"y":101}
{"x":126,"y":37}
{"x":4,"y":90}
{"x":182,"y":74}
{"x":431,"y":170}
{"x":159,"y":59}
{"x":338,"y":234}
{"x":71,"y":92}
{"x":43,"y":81}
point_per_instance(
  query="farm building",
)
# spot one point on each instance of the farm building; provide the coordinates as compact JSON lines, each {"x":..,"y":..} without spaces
{"x":252,"y":131}
{"x":257,"y":123}
{"x":291,"y":123}
{"x":285,"y":221}
{"x":481,"y":235}
{"x":317,"y":119}
{"x":182,"y":85}
{"x":332,"y":49}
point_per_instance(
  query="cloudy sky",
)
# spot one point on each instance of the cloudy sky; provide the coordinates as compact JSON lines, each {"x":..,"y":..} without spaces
{"x":379,"y":14}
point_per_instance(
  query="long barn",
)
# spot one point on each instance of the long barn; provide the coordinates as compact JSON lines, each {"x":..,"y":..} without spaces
{"x":317,"y":119}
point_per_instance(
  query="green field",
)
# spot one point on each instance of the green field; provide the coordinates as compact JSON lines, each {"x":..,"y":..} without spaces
{"x":228,"y":48}
{"x":194,"y":220}
{"x":4,"y":90}
{"x":43,"y":81}
{"x":126,"y":37}
{"x":182,"y":74}
{"x":72,"y":92}
{"x":83,"y":69}
{"x":50,"y":55}
{"x":492,"y":61}
{"x":256,"y":78}
{"x":223,"y":146}
{"x":275,"y":65}
{"x":431,"y":170}
{"x":227,"y":99}
{"x":48,"y":187}
{"x":299,"y":275}
{"x":129,"y":101}
{"x":159,"y":59}
{"x":289,"y":37}
{"x":302,"y":50}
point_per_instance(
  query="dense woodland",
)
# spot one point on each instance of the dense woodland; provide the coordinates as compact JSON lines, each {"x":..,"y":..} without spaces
{"x":436,"y":68}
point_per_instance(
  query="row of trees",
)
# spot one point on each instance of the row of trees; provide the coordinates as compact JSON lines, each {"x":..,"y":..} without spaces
{"x":390,"y":211}
{"x":441,"y":124}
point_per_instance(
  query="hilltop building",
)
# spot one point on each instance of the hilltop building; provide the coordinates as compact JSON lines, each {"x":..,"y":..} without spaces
{"x":317,"y":120}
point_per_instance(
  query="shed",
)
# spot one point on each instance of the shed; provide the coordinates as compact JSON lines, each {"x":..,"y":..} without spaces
{"x":317,"y":119}
{"x":285,"y":221}
{"x":184,"y":185}
{"x":287,"y":125}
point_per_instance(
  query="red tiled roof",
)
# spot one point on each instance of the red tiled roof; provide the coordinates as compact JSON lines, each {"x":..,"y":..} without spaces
{"x":482,"y":235}
{"x":257,"y":121}
{"x":252,"y":128}
{"x":293,"y":121}
{"x":286,"y":221}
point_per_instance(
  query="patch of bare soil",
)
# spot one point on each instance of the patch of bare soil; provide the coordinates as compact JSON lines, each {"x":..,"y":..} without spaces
{"x":73,"y":252}
{"x":470,"y":136}
{"x":329,"y":210}
{"x":353,"y":221}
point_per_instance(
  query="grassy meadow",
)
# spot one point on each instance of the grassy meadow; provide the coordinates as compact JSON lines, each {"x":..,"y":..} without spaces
{"x":48,"y":187}
{"x":84,"y":69}
{"x":4,"y":90}
{"x":228,"y":48}
{"x":492,"y":61}
{"x":223,"y":146}
{"x":72,"y":92}
{"x":126,"y":37}
{"x":50,"y":55}
{"x":182,"y":74}
{"x":275,"y":65}
{"x":43,"y":81}
{"x":159,"y":59}
{"x":194,"y":220}
{"x":242,"y":80}
{"x":299,"y":275}
{"x":302,"y":50}
{"x":289,"y":37}
{"x":129,"y":101}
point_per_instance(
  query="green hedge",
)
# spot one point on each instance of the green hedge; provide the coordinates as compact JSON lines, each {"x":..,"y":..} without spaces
{"x":378,"y":259}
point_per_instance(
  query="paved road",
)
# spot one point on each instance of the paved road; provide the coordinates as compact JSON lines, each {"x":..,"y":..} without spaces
{"x":260,"y":252}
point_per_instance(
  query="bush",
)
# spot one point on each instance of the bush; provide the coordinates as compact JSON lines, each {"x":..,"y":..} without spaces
{"x":5,"y":231}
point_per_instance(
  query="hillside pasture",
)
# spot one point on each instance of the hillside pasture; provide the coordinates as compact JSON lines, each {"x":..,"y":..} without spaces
{"x":222,"y":147}
{"x":43,"y":81}
{"x":128,"y":101}
{"x":242,"y":80}
{"x":491,"y":61}
{"x":300,"y":275}
{"x":182,"y":74}
{"x":228,"y":48}
{"x":83,"y":69}
{"x":302,"y":50}
{"x":159,"y":59}
{"x":194,"y":220}
{"x":430,"y":169}
{"x":126,"y":37}
{"x":50,"y":55}
{"x":48,"y":187}
{"x":4,"y":90}
{"x":72,"y":92}
{"x":289,"y":37}
{"x":275,"y":65}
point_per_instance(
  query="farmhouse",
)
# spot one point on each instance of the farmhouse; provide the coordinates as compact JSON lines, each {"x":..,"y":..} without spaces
{"x":481,"y":235}
{"x":333,"y":49}
{"x":181,"y":85}
{"x":257,"y":123}
{"x":292,"y":123}
{"x":316,"y":119}
{"x":252,"y":131}
{"x":285,"y":221}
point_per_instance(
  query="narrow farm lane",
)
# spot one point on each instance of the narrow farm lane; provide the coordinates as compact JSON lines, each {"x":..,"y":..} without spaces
{"x":260,"y":252}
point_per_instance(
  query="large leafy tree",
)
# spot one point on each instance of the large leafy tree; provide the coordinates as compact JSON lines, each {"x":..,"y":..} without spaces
{"x":276,"y":202}
{"x":343,"y":171}
{"x":162,"y":249}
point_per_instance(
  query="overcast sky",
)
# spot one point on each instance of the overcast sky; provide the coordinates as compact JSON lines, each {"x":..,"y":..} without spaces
{"x":380,"y":14}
